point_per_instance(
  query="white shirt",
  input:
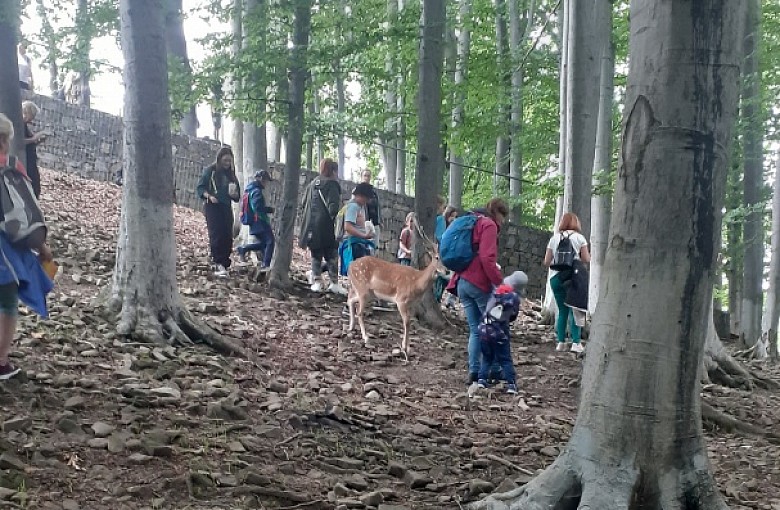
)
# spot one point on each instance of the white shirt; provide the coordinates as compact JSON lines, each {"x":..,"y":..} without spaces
{"x":25,"y":68}
{"x":577,"y":242}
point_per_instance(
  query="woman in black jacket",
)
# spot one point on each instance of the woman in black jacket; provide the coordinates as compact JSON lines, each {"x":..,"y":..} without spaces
{"x":218,"y":186}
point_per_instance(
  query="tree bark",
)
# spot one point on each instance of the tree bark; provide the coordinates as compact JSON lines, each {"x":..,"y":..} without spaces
{"x":753,"y":177}
{"x":461,"y":75}
{"x":177,"y":48}
{"x":601,"y":203}
{"x":83,"y":47}
{"x":502,"y":140}
{"x":772,"y":308}
{"x":341,"y":102}
{"x":638,"y":441}
{"x":10,"y":93}
{"x":237,"y":138}
{"x":255,"y":151}
{"x":400,"y":174}
{"x":583,"y":77}
{"x":50,"y":40}
{"x":429,"y":140}
{"x":280,"y":266}
{"x":390,"y":138}
{"x":517,"y":30}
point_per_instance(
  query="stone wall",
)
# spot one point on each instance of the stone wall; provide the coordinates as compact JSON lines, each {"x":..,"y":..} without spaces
{"x":89,"y":143}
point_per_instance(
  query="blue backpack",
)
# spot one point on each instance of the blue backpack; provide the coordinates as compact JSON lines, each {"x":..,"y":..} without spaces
{"x":457,"y":248}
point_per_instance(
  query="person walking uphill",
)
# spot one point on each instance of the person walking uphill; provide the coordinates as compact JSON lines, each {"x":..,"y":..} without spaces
{"x":474,"y":284}
{"x":321,"y":204}
{"x":21,"y":274}
{"x":373,"y":208}
{"x":218,"y":186}
{"x":574,"y":243}
{"x":254,"y":214}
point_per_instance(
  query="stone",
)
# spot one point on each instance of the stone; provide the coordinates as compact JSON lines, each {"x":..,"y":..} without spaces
{"x":277,"y":386}
{"x":356,"y":482}
{"x":397,"y":469}
{"x":549,"y":451}
{"x":506,"y":485}
{"x":101,"y":429}
{"x":74,"y":403}
{"x":6,"y":494}
{"x":373,"y":395}
{"x":478,"y":486}
{"x":9,"y":461}
{"x":99,"y":443}
{"x":416,"y":480}
{"x":166,"y":391}
{"x":372,"y":498}
{"x":139,"y":458}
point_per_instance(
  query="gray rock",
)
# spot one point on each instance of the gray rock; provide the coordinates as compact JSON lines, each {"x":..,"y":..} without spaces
{"x":99,"y":443}
{"x":101,"y":429}
{"x":6,"y":494}
{"x":507,"y":485}
{"x":19,"y":423}
{"x":397,"y":469}
{"x":139,"y":458}
{"x":277,"y":386}
{"x":372,"y":498}
{"x":549,"y":451}
{"x":416,"y":480}
{"x":356,"y":482}
{"x":346,"y":463}
{"x":74,"y":403}
{"x":9,"y":461}
{"x":477,"y":487}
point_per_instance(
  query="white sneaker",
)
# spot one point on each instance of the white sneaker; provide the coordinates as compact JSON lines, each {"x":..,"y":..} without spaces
{"x":316,"y":287}
{"x":561,"y":346}
{"x":336,"y":288}
{"x":577,"y":347}
{"x":220,"y":271}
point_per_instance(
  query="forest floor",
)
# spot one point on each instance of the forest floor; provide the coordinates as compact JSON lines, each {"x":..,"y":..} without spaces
{"x":313,"y":420}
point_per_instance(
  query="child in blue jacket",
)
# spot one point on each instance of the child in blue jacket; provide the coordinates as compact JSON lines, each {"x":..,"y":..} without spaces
{"x":256,"y":217}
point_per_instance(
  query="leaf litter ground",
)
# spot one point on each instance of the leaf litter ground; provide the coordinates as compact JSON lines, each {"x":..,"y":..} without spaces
{"x":312,"y":420}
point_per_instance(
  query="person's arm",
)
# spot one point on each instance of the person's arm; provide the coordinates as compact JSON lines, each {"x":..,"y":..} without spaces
{"x":351,"y":229}
{"x":406,"y":235}
{"x":333,"y":199}
{"x":203,"y":186}
{"x":548,"y":256}
{"x":488,"y":251}
{"x":585,"y":254}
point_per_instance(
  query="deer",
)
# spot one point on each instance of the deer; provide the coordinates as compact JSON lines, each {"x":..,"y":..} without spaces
{"x":405,"y":286}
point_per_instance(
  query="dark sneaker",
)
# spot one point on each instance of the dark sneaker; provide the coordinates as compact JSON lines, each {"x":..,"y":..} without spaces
{"x":472,"y":379}
{"x":482,"y":384}
{"x":8,"y":371}
{"x":511,"y":388}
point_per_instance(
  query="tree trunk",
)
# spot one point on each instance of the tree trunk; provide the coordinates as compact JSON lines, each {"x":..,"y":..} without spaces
{"x":50,"y":39}
{"x":461,"y":74}
{"x":311,"y":164}
{"x":400,"y":174}
{"x":255,"y":143}
{"x":583,"y":77}
{"x":83,"y":47}
{"x":753,"y":180}
{"x":638,"y":442}
{"x":517,"y":32}
{"x":10,"y":93}
{"x":177,"y":49}
{"x":280,"y":266}
{"x":341,"y":101}
{"x":502,"y":140}
{"x":429,"y":140}
{"x":772,"y":308}
{"x":601,"y":203}
{"x":237,"y":139}
{"x":390,"y":138}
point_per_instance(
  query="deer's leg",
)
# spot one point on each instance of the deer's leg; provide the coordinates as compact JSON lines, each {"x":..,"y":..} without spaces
{"x":350,"y":306}
{"x":362,"y":299}
{"x":403,"y":309}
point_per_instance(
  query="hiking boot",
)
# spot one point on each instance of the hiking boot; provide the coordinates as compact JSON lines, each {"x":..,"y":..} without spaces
{"x":316,"y":287}
{"x":482,"y":384}
{"x":337,"y":289}
{"x":242,"y":256}
{"x":577,"y":347}
{"x":220,"y":271}
{"x":561,"y":346}
{"x":472,"y":378}
{"x":8,"y":371}
{"x":511,"y":388}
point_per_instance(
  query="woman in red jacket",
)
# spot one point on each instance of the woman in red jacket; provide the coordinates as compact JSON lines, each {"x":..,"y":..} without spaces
{"x":478,"y":280}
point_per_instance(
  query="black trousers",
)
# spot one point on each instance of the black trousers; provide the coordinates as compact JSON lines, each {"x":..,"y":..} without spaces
{"x":219,"y":220}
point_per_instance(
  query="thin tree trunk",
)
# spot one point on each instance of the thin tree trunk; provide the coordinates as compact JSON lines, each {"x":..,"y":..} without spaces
{"x":753,"y":180}
{"x":390,"y":138}
{"x":10,"y":93}
{"x":517,"y":32}
{"x":583,"y":78}
{"x":177,"y":48}
{"x":237,"y":140}
{"x":638,"y":441}
{"x":461,"y":75}
{"x":51,"y":46}
{"x":83,"y":47}
{"x":601,"y":203}
{"x":280,"y":266}
{"x":772,"y":307}
{"x":340,"y":109}
{"x":502,"y":140}
{"x":255,"y":151}
{"x":429,"y":139}
{"x":310,"y":163}
{"x":400,"y":174}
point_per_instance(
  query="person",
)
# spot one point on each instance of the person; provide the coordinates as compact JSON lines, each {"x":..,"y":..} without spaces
{"x":21,"y":274}
{"x":405,"y":241}
{"x":501,"y":310}
{"x":373,"y":209}
{"x":321,"y":204}
{"x":259,"y":224}
{"x":569,"y":227}
{"x":218,"y":186}
{"x":31,"y":140}
{"x":358,"y":232}
{"x":25,"y":67}
{"x":474,"y":285}
{"x":441,"y":224}
{"x":442,"y":280}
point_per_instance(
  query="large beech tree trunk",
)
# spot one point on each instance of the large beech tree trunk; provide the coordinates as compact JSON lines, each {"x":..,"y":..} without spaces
{"x":144,"y":291}
{"x":10,"y":93}
{"x":177,"y":48}
{"x":461,"y":70}
{"x":255,"y":151}
{"x":280,"y":266}
{"x":772,"y":309}
{"x":638,"y":442}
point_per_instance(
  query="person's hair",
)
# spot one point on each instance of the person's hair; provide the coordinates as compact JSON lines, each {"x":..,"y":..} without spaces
{"x":30,"y":108}
{"x":569,"y":221}
{"x":364,"y":190}
{"x":6,"y":129}
{"x":497,"y":206}
{"x":328,"y":168}
{"x":440,"y":201}
{"x":223,"y":152}
{"x":448,"y":212}
{"x":409,"y":219}
{"x":366,"y":170}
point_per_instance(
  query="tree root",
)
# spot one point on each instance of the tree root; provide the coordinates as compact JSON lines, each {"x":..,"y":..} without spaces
{"x":727,"y":371}
{"x":712,"y":416}
{"x":199,"y":332}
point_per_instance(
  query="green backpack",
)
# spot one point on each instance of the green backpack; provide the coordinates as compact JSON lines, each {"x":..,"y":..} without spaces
{"x":338,"y":224}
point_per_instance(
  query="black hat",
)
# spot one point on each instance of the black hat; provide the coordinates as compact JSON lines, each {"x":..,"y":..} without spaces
{"x":364,"y":190}
{"x":263,"y":175}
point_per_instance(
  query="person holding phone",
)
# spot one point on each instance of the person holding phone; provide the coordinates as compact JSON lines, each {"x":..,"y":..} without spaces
{"x":31,"y":141}
{"x":218,"y":186}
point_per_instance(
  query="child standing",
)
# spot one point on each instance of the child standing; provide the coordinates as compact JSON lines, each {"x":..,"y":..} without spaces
{"x":405,"y":242}
{"x":254,"y":213}
{"x":494,"y":335}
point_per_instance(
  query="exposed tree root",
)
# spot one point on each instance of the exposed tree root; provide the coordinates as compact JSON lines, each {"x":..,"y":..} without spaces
{"x":712,"y":416}
{"x":721,"y":368}
{"x":200,"y":332}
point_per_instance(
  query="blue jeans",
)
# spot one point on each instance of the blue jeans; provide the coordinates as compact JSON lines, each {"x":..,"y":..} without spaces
{"x":264,"y":242}
{"x":497,"y":353}
{"x":474,"y":303}
{"x":565,"y":314}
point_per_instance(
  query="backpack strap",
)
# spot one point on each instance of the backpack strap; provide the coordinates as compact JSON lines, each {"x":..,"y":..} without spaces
{"x":12,"y":162}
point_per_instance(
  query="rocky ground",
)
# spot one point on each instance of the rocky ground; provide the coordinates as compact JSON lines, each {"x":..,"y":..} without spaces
{"x":314,"y":420}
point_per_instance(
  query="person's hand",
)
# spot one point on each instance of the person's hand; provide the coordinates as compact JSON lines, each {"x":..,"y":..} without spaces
{"x":213,"y":199}
{"x":44,"y":253}
{"x":368,"y":235}
{"x":39,"y":136}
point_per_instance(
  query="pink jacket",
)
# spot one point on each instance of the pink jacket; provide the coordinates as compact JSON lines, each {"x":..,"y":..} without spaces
{"x":483,"y":272}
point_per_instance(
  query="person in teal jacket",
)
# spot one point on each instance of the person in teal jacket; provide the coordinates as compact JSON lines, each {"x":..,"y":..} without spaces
{"x":258,"y":221}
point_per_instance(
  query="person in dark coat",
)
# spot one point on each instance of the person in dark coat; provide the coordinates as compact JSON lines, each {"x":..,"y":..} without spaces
{"x":321,"y":204}
{"x":258,"y":221}
{"x":373,"y":208}
{"x":31,"y":141}
{"x":218,"y":186}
